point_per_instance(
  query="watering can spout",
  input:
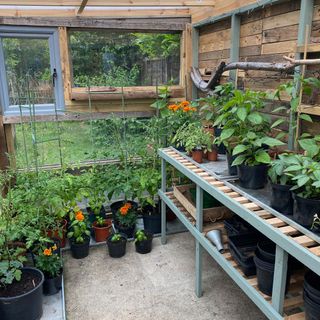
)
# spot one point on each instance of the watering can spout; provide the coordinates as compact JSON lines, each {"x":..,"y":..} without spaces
{"x":215,"y":237}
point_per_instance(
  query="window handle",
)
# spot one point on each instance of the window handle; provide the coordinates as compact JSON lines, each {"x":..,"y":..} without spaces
{"x":54,"y":77}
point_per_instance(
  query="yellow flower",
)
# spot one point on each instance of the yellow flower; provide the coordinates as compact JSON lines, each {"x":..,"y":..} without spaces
{"x":54,"y":248}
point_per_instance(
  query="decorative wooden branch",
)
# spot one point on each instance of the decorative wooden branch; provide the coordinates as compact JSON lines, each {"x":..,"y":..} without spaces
{"x":263,"y":66}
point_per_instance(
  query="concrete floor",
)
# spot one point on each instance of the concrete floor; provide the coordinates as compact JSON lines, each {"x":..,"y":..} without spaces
{"x":159,"y":285}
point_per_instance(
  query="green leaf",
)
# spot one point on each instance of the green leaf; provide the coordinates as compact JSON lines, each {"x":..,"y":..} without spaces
{"x":271,"y":142}
{"x":293,"y":168}
{"x":305,"y":117}
{"x":277,"y":123}
{"x":255,"y":118}
{"x":239,"y":160}
{"x":310,"y":146}
{"x":239,"y":149}
{"x":242,"y":113}
{"x":262,"y":157}
{"x":227,"y":133}
{"x":302,"y":181}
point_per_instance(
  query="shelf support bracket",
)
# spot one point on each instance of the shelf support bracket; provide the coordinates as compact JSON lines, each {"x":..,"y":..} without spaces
{"x":199,"y":249}
{"x":279,"y":279}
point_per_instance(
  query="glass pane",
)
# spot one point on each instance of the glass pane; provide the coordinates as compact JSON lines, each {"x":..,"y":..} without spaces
{"x":27,"y":63}
{"x":109,"y":58}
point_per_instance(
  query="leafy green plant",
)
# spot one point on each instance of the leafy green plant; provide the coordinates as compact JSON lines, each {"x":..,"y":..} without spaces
{"x":192,"y":136}
{"x":251,"y":151}
{"x":306,"y":177}
{"x":48,"y":262}
{"x":116,"y":237}
{"x":277,"y":171}
{"x":100,"y":222}
{"x":126,"y":215}
{"x":311,"y":145}
{"x":140,"y":236}
{"x":79,"y":228}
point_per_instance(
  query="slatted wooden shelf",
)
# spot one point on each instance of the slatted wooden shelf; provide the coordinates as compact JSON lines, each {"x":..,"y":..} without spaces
{"x":275,"y":222}
{"x":293,"y":304}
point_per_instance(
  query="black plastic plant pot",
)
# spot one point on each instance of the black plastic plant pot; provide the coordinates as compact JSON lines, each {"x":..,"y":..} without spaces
{"x":253,"y":177}
{"x":221,"y":148}
{"x":52,"y":286}
{"x":312,"y":286}
{"x":117,"y":249}
{"x":151,"y":219}
{"x":305,"y":211}
{"x":312,"y":309}
{"x":233,"y":171}
{"x":265,"y":273}
{"x":281,"y":198}
{"x":27,"y":306}
{"x":145,"y":246}
{"x":80,"y":250}
{"x":128,"y":231}
{"x":115,"y":206}
{"x":267,"y":251}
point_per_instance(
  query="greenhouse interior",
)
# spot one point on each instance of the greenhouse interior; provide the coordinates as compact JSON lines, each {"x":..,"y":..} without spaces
{"x":159,"y":159}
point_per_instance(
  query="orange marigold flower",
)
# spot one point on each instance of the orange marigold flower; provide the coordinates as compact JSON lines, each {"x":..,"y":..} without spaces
{"x":128,"y":205}
{"x":124,"y":210}
{"x":186,"y":109}
{"x":47,"y":252}
{"x":193,"y":109}
{"x":175,"y":108}
{"x":171,"y":107}
{"x":79,"y":216}
{"x":185,"y":104}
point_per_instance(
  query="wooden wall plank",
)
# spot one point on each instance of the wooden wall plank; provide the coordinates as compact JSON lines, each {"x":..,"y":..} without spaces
{"x":3,"y":146}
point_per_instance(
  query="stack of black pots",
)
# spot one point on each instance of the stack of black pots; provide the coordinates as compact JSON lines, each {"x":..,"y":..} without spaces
{"x":311,"y":295}
{"x":265,"y":263}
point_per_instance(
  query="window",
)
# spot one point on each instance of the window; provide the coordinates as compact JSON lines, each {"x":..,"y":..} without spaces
{"x":110,"y":58}
{"x":30,"y":70}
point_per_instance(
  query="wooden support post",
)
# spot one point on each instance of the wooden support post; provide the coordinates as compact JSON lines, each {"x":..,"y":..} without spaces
{"x":279,"y":279}
{"x":199,"y":249}
{"x":195,"y":57}
{"x":163,"y":204}
{"x":235,"y":43}
{"x":306,"y":14}
{"x":3,"y":147}
{"x":188,"y":61}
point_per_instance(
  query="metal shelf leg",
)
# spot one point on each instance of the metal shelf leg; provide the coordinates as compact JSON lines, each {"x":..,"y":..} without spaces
{"x":163,"y":205}
{"x":199,"y":249}
{"x":279,"y":279}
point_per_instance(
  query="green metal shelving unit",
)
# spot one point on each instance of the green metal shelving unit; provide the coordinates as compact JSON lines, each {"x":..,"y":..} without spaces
{"x":290,"y":238}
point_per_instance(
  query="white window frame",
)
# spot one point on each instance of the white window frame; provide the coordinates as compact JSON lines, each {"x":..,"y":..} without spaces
{"x":51,"y":34}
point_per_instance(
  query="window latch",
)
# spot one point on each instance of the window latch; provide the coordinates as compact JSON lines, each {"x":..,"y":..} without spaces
{"x":54,"y":77}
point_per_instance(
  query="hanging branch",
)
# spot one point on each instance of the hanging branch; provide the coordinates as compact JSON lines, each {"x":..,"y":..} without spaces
{"x":285,"y":67}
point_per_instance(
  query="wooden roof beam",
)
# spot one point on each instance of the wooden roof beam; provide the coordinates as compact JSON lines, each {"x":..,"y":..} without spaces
{"x":118,"y":3}
{"x":82,"y":6}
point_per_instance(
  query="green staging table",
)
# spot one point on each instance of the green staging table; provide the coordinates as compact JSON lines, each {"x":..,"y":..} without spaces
{"x":252,"y":206}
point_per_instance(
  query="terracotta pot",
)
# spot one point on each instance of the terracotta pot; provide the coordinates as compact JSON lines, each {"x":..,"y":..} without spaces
{"x":102,"y":233}
{"x":197,"y":155}
{"x":56,"y":234}
{"x":212,"y":155}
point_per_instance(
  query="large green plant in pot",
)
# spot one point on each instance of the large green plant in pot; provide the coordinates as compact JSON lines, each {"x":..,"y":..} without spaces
{"x":252,"y":159}
{"x":306,"y":178}
{"x":281,"y":183}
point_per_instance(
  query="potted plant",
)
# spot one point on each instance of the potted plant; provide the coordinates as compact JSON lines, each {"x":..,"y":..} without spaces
{"x":143,"y":241}
{"x":116,"y":244}
{"x":101,"y":228}
{"x":79,"y":234}
{"x":20,"y":287}
{"x":306,"y":189}
{"x":252,"y":159}
{"x":281,"y":183}
{"x":50,"y":263}
{"x":194,"y":139}
{"x":125,"y":219}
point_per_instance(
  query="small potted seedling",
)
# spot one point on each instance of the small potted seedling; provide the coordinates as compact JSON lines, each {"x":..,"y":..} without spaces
{"x":101,"y":228}
{"x":143,"y":241}
{"x":117,"y":245}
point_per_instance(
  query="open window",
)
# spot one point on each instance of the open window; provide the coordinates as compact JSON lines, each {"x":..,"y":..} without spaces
{"x":30,"y":70}
{"x":124,"y":58}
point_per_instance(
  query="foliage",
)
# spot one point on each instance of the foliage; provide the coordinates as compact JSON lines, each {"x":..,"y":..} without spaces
{"x":252,"y":149}
{"x":79,"y":227}
{"x":126,"y":215}
{"x":306,"y":177}
{"x":239,"y":115}
{"x":11,"y":258}
{"x":192,"y":136}
{"x":48,"y":262}
{"x":101,"y":222}
{"x":116,"y":237}
{"x":277,"y":172}
{"x":140,"y":236}
{"x":311,"y":145}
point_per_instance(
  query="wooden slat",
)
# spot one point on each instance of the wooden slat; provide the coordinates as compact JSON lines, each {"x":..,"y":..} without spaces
{"x":276,"y":222}
{"x":304,"y":241}
{"x":251,"y":206}
{"x":233,"y":194}
{"x":217,"y":183}
{"x":288,"y":230}
{"x":263,"y":214}
{"x":293,"y":302}
{"x":315,"y":250}
{"x":241,"y":200}
{"x":225,"y":189}
{"x":297,"y":316}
